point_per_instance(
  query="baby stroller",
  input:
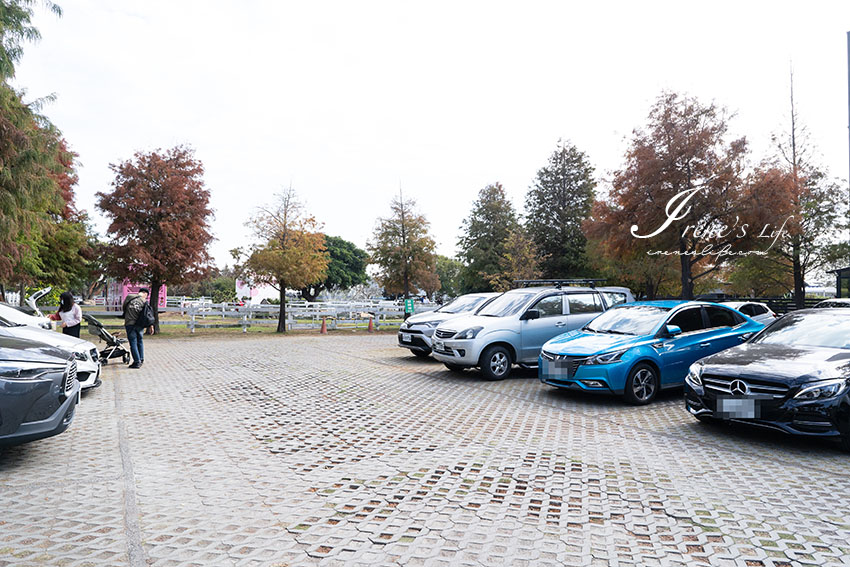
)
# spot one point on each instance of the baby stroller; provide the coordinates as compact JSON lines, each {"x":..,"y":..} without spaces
{"x":114,"y":348}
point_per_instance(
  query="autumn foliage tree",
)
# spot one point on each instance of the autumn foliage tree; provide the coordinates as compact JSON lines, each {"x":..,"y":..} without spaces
{"x":159,"y":219}
{"x":291,"y":252}
{"x":404,"y":251}
{"x":683,"y":152}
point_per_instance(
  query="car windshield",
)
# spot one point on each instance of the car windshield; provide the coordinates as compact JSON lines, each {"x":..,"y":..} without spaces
{"x":628,"y":320}
{"x":462,"y":304}
{"x":808,"y":329}
{"x":507,"y":304}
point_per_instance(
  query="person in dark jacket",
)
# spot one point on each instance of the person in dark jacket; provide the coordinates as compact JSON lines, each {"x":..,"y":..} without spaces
{"x":132,"y":307}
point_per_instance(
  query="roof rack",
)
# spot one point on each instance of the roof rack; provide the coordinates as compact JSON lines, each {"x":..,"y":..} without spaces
{"x":558,"y":283}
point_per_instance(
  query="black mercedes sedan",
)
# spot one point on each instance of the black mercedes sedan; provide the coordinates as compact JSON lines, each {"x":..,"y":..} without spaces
{"x":793,"y":376}
{"x":39,"y":390}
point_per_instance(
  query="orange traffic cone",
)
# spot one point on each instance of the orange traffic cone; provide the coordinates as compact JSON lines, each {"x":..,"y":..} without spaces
{"x":371,"y":328}
{"x":324,"y":330}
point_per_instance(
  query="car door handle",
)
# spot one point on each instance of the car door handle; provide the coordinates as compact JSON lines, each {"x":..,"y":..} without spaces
{"x":704,"y":345}
{"x":560,"y":324}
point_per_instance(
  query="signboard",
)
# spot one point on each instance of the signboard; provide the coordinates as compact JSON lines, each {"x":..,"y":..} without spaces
{"x":408,"y":306}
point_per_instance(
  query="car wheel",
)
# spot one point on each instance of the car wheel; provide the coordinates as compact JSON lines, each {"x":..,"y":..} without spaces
{"x":642,"y":385}
{"x":496,"y":363}
{"x":421,"y":353}
{"x":845,"y":442}
{"x":454,"y":367}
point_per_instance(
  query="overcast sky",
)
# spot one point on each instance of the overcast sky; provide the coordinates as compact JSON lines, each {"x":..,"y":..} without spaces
{"x":348,"y":101}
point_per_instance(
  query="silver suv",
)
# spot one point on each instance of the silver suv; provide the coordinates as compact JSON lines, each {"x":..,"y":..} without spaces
{"x":512,"y":328}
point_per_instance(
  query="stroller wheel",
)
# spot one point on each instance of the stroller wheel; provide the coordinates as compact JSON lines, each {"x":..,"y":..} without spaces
{"x":126,"y":358}
{"x":104,"y":361}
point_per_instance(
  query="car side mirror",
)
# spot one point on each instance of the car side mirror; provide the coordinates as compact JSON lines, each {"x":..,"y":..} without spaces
{"x":673,"y":330}
{"x":530,"y":314}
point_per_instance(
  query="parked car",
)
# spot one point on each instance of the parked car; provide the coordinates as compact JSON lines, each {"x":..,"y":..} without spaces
{"x":85,"y":352}
{"x":794,"y":376}
{"x":16,"y":315}
{"x":834,"y":302}
{"x":754,"y":310}
{"x":638,"y":349}
{"x":512,"y":328}
{"x":39,"y":391}
{"x":416,"y":332}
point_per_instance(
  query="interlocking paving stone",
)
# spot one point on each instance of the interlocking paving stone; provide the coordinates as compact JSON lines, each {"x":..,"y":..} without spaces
{"x":345,"y":450}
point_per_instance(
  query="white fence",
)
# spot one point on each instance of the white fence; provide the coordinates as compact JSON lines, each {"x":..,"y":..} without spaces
{"x":200,"y":312}
{"x":299,"y":314}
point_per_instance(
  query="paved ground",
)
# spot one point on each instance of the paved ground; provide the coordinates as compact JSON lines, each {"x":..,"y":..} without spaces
{"x":344,"y":450}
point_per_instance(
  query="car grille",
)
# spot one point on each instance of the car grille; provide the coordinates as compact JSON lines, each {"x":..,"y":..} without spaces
{"x":441,"y":334}
{"x":70,"y":376}
{"x":722,"y":384}
{"x":570,"y":363}
{"x":94,"y":354}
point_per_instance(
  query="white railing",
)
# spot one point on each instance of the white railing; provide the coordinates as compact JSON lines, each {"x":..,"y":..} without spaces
{"x":299,"y":314}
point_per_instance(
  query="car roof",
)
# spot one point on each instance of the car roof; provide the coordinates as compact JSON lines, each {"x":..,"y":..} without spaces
{"x":542,"y":289}
{"x":669,"y":303}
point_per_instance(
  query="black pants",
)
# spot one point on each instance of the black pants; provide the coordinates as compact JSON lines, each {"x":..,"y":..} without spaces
{"x":73,"y":331}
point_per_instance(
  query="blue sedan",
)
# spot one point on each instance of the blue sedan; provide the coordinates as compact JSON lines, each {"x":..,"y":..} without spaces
{"x":635,"y":350}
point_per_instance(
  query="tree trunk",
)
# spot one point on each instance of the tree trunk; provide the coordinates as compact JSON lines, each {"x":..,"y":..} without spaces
{"x":799,"y":281}
{"x":649,"y":290}
{"x":2,"y":293}
{"x":687,"y":283}
{"x":281,"y":315}
{"x":21,"y":290}
{"x":311,"y":293}
{"x":153,"y":298}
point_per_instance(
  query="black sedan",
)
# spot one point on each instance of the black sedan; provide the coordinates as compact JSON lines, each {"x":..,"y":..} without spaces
{"x":793,"y":376}
{"x":39,"y":390}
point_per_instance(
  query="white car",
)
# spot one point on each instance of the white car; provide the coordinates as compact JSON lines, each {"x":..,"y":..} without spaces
{"x":754,"y":310}
{"x":15,"y":315}
{"x":85,"y":352}
{"x":417,"y":331}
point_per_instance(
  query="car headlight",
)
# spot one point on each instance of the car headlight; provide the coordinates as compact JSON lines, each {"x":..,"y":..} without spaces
{"x":694,"y":377}
{"x":607,"y":358}
{"x":470,"y":333}
{"x":80,"y":356}
{"x":823,"y":390}
{"x":25,"y":370}
{"x":430,"y":324}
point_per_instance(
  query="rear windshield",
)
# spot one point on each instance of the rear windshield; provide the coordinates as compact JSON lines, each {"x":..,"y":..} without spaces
{"x":462,"y":304}
{"x":628,"y":320}
{"x":808,"y":329}
{"x":509,"y":303}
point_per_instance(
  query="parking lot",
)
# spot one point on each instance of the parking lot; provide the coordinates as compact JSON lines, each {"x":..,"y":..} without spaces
{"x":346,"y":450}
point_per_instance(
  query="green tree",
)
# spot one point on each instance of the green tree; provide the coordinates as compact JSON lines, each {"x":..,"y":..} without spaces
{"x":520,"y":260}
{"x":403,"y":250}
{"x":556,"y":206}
{"x":346,"y":269}
{"x":484,"y":232}
{"x":449,"y":271}
{"x":291,"y":252}
{"x":15,"y":28}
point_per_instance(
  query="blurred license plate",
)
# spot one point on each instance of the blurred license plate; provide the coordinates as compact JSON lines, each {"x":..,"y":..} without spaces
{"x":439,"y":345}
{"x":737,"y":408}
{"x":405,"y":337}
